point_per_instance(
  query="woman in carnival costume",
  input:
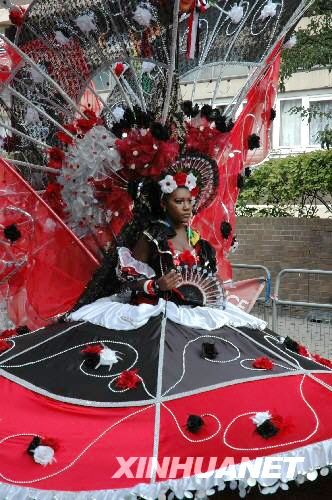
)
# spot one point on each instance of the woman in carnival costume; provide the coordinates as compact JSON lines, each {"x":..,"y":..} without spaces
{"x":159,"y":369}
{"x":153,"y":385}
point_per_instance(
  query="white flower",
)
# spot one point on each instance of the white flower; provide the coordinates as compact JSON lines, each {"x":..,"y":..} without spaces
{"x":86,"y":23}
{"x":107,"y":357}
{"x":168,"y":184}
{"x":147,"y":67}
{"x":191,"y":181}
{"x":61,"y":38}
{"x":143,"y":15}
{"x":31,"y":116}
{"x":290,"y":43}
{"x":261,"y":417}
{"x":269,"y":10}
{"x":43,"y":455}
{"x":118,"y":113}
{"x":236,"y":13}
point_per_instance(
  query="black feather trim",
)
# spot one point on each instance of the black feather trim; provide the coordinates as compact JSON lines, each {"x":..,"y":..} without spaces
{"x":21,"y":330}
{"x":230,"y":125}
{"x":126,"y":123}
{"x":291,"y":344}
{"x":207,"y":112}
{"x":132,"y":189}
{"x":160,"y":131}
{"x":190,"y":110}
{"x":209,"y":350}
{"x":36,"y":441}
{"x":240,"y":181}
{"x":254,"y":141}
{"x":12,"y":233}
{"x":225,"y":229}
{"x":267,"y":429}
{"x":142,"y":119}
{"x":221,"y":123}
{"x":273,"y":114}
{"x":194,"y":423}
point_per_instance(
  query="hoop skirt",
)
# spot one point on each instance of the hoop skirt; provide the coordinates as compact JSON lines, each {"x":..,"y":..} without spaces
{"x":184,"y":416}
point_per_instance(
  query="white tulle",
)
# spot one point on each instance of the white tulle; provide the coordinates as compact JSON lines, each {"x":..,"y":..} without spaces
{"x":114,"y":315}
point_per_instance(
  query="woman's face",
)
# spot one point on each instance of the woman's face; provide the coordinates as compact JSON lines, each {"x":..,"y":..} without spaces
{"x":179,"y":206}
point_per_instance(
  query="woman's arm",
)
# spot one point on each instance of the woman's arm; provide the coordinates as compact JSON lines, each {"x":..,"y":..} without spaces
{"x":165,"y":283}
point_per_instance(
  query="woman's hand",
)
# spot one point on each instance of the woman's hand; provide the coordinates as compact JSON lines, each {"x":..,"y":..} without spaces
{"x":169,"y":281}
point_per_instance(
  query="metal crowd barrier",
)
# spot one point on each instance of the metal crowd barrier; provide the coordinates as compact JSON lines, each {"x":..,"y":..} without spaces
{"x":308,"y":322}
{"x":276,"y":301}
{"x":267,"y":277}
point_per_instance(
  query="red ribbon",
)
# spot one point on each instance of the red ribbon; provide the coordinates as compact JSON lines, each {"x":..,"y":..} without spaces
{"x":198,"y":7}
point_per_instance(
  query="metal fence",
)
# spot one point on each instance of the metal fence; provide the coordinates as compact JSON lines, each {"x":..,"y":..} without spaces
{"x":306,"y":321}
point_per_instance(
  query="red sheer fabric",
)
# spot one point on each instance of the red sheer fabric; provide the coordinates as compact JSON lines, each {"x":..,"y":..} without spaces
{"x":235,"y":154}
{"x":42,"y":272}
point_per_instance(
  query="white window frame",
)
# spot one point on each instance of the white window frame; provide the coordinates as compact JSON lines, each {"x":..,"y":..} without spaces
{"x":311,"y":99}
{"x":305,"y":129}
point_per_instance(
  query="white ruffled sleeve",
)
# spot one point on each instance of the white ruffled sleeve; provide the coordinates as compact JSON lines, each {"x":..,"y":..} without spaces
{"x":131,"y":268}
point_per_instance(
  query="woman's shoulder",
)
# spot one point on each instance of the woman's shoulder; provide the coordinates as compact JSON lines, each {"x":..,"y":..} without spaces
{"x":158,"y":229}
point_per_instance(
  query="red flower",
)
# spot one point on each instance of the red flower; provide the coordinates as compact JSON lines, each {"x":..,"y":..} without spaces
{"x":187,"y":258}
{"x":4,"y":345}
{"x":180,"y":178}
{"x":144,"y":155}
{"x":128,"y":379}
{"x":205,"y":139}
{"x":64,"y":138}
{"x":71,"y":128}
{"x":53,"y":188}
{"x":263,"y":363}
{"x":16,"y":15}
{"x":92,"y":349}
{"x":86,"y":124}
{"x":7,"y":334}
{"x":322,"y":361}
{"x":56,"y":156}
{"x":119,"y":69}
{"x":194,"y":192}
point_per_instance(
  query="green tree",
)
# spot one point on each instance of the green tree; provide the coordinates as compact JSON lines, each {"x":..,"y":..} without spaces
{"x":288,"y":186}
{"x":313,"y":50}
{"x":313,"y":47}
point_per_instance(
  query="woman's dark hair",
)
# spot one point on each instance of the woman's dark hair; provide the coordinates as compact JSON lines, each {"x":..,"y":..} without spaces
{"x":147,"y":198}
{"x":147,"y":207}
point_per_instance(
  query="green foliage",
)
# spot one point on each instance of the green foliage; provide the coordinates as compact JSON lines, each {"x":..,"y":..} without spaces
{"x":290,"y":186}
{"x":314,"y":44}
{"x":325,"y":138}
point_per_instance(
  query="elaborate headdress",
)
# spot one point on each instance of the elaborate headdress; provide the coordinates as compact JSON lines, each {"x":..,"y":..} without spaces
{"x":84,"y":147}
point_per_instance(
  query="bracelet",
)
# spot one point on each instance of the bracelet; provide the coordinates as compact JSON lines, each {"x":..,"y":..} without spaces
{"x":149,"y":287}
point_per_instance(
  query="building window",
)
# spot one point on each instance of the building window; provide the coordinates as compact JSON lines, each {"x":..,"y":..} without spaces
{"x":319,"y":122}
{"x":290,"y":124}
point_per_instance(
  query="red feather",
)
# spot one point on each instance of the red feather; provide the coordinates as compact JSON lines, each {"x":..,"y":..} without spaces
{"x":263,"y":363}
{"x":92,"y":349}
{"x":128,"y":379}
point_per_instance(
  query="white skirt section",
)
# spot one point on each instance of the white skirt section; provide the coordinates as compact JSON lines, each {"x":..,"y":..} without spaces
{"x":115,"y":315}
